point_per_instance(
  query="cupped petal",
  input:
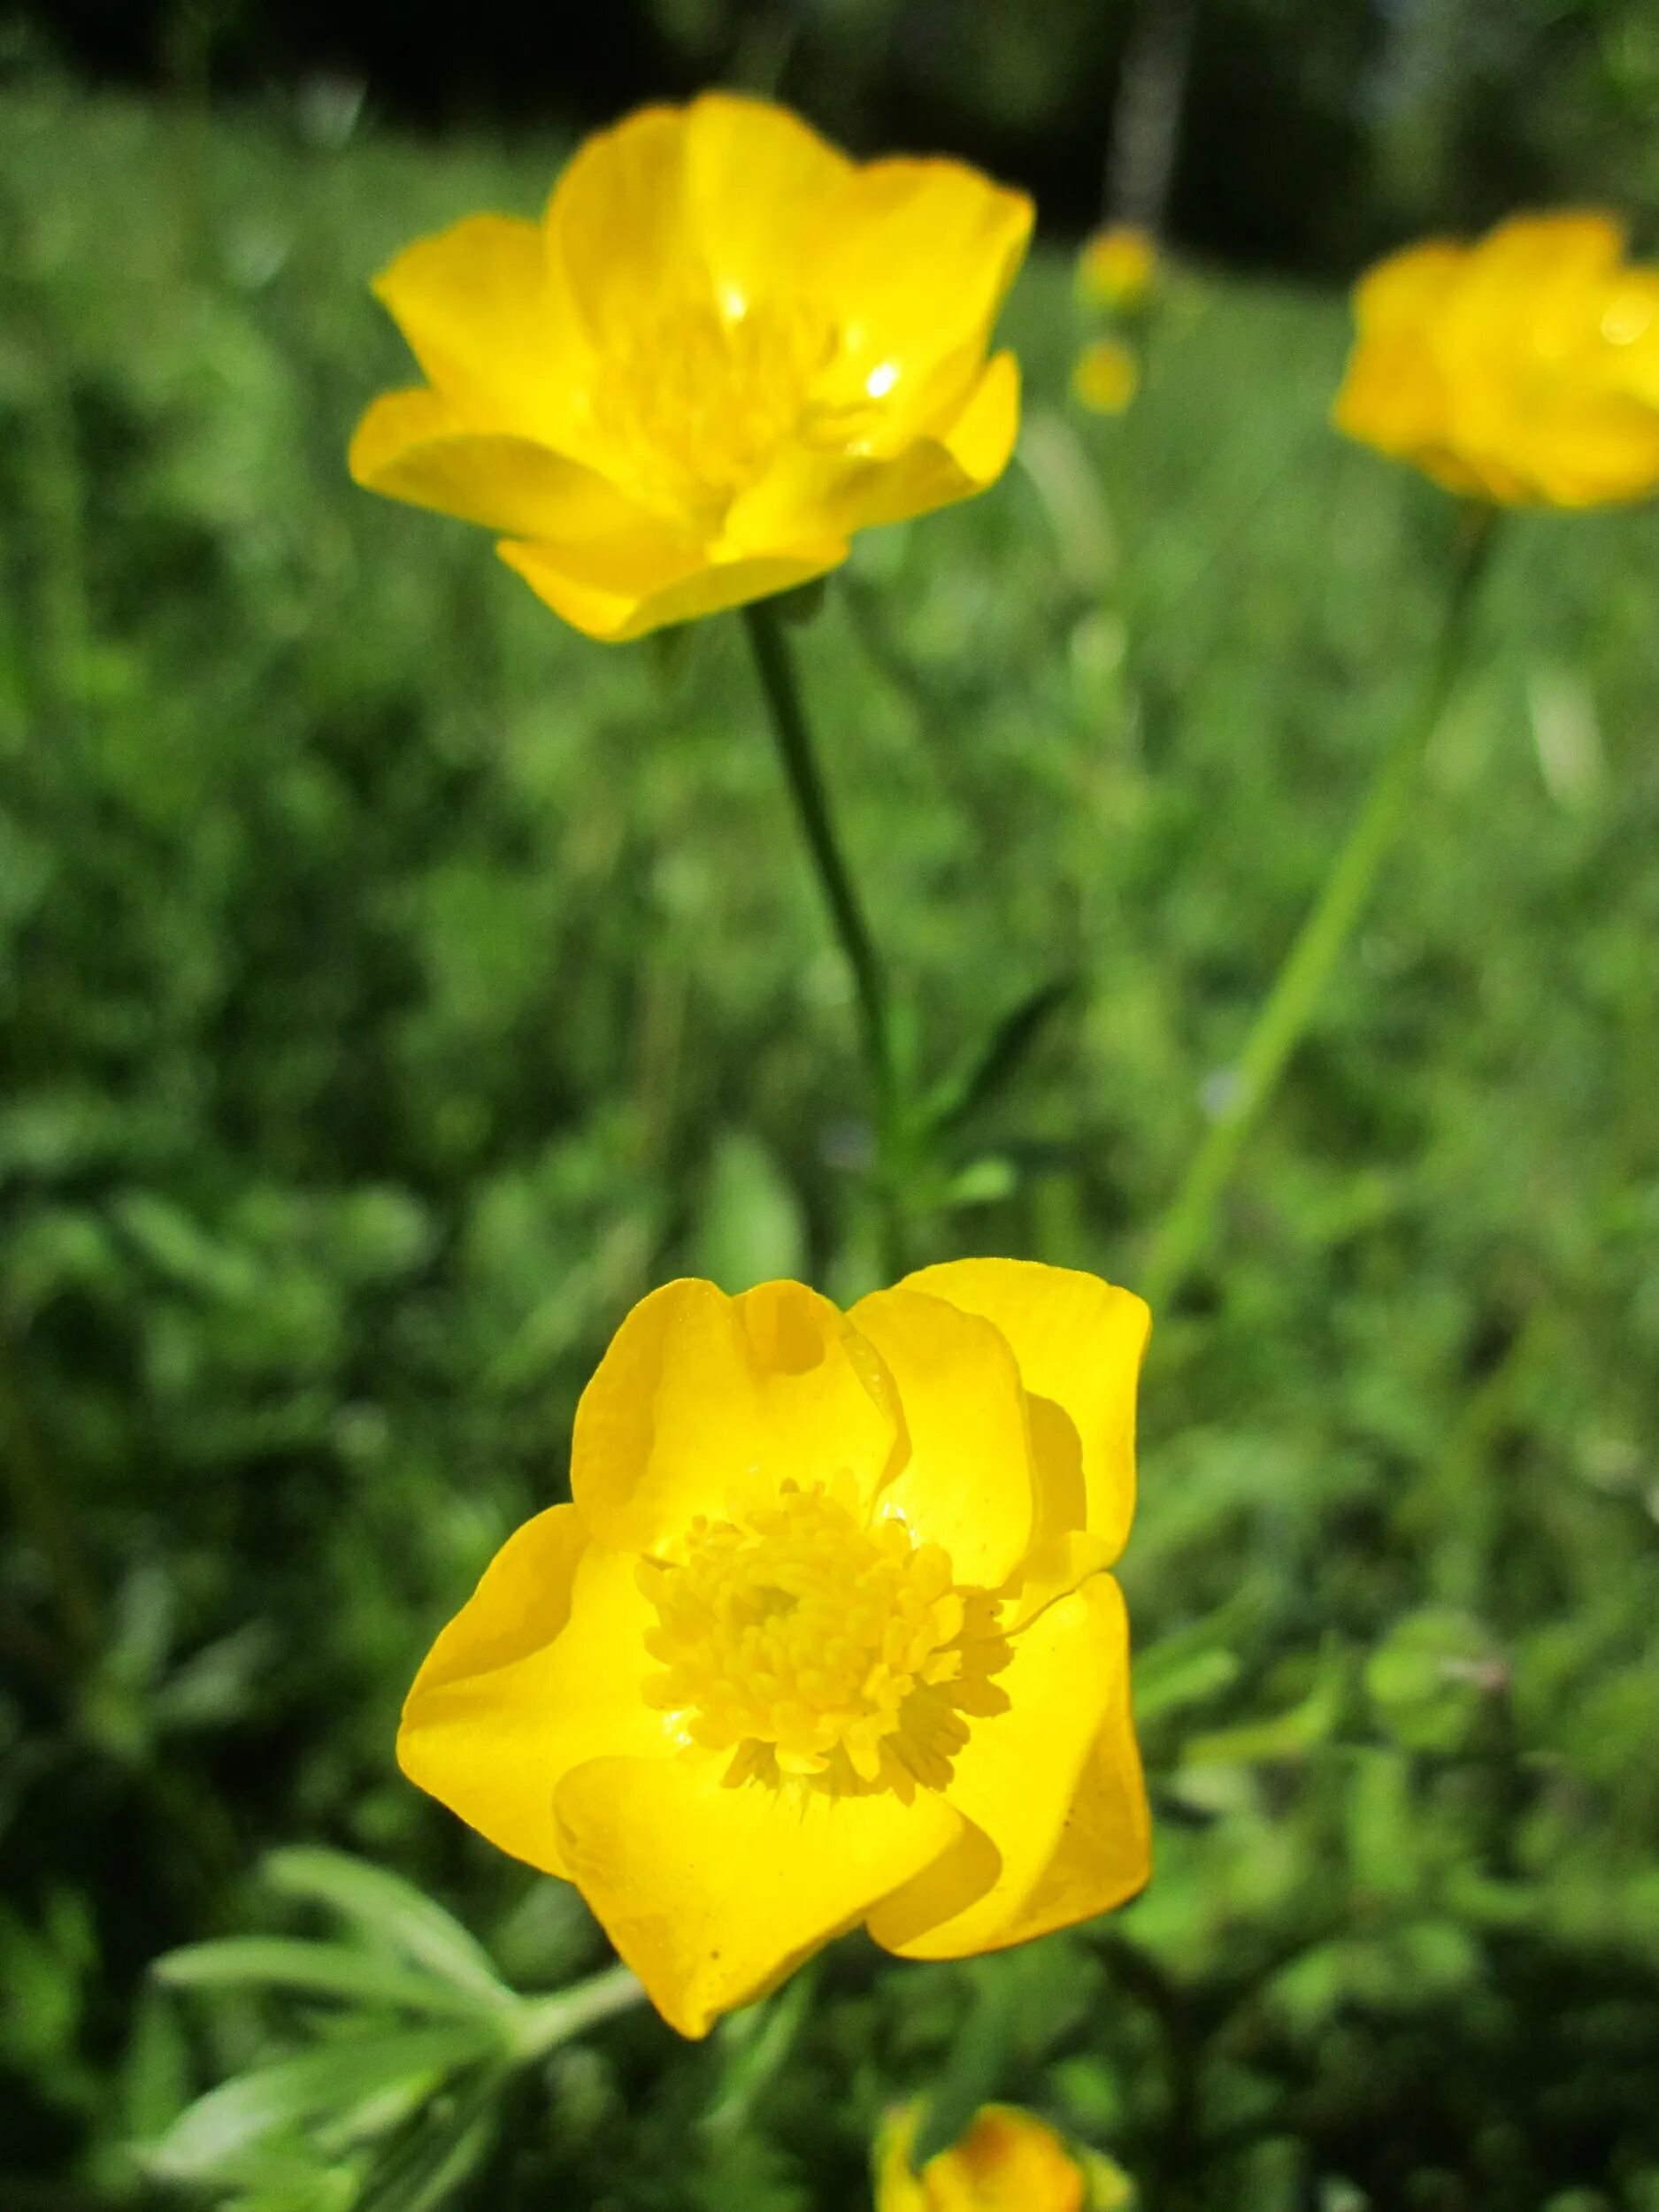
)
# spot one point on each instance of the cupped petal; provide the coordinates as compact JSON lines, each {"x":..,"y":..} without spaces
{"x":1079,"y":1342}
{"x":620,"y":600}
{"x":713,"y":1895}
{"x":475,"y":304}
{"x":809,"y":487}
{"x":966,"y":1482}
{"x":1055,"y":1782}
{"x":416,"y":445}
{"x":619,"y":242}
{"x":911,"y":261}
{"x":755,"y":174}
{"x":541,"y":1669}
{"x":706,"y":1404}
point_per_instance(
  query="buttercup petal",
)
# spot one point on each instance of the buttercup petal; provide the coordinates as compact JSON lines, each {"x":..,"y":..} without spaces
{"x":713,"y":1895}
{"x":704,"y":1402}
{"x":807,"y":486}
{"x":477,"y":310}
{"x":1055,"y":1782}
{"x":541,"y":1669}
{"x":615,"y":613}
{"x":618,"y":239}
{"x":755,"y":174}
{"x":913,"y":260}
{"x":966,"y":1482}
{"x":1008,"y":2160}
{"x":417,"y":446}
{"x":1079,"y":1342}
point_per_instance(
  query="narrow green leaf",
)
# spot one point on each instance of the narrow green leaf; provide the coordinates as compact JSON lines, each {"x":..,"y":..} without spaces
{"x":294,"y":2091}
{"x":386,"y":1908}
{"x":318,"y":1970}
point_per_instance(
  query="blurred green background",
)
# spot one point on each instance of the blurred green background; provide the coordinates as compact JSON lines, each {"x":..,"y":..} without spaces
{"x":394,"y":985}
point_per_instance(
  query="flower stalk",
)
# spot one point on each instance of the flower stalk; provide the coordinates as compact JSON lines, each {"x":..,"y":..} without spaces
{"x":1290,"y":1005}
{"x":792,"y":733}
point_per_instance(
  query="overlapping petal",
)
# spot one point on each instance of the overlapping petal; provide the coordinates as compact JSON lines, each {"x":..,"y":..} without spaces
{"x":966,"y":1481}
{"x":704,"y":1404}
{"x":1080,"y":1343}
{"x":1051,"y":1764}
{"x":542,"y":1669}
{"x":713,"y":1895}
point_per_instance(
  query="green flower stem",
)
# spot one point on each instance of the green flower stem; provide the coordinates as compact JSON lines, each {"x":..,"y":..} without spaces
{"x":544,"y":2023}
{"x":1289,"y":1006}
{"x":775,"y":664}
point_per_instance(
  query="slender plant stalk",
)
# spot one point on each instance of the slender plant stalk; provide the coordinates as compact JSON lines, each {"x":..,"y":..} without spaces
{"x":1181,"y":1234}
{"x":775,"y":664}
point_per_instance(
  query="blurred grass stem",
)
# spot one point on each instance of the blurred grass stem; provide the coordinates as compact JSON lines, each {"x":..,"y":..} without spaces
{"x":1290,"y":1005}
{"x":775,"y":664}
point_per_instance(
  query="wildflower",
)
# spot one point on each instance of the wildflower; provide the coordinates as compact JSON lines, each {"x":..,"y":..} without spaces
{"x":725,"y":347}
{"x":1105,"y":377}
{"x":1523,"y":369}
{"x":825,"y":1635}
{"x":1008,"y":2160}
{"x":1118,"y":268}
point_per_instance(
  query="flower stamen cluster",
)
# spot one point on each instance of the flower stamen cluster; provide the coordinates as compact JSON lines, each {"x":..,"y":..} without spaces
{"x":806,"y":1644}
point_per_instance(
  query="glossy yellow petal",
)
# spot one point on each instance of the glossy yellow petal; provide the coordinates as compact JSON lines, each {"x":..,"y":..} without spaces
{"x":542,"y":1669}
{"x":618,"y":235}
{"x":705,"y":1404}
{"x":1408,"y":285}
{"x":1079,"y":1342}
{"x":912,"y":260}
{"x":807,"y":487}
{"x":1055,"y":1782}
{"x":1008,"y":2160}
{"x":417,"y":446}
{"x":754,"y":176}
{"x":713,"y":1895}
{"x":615,"y":613}
{"x":966,"y":1482}
{"x":476,"y":306}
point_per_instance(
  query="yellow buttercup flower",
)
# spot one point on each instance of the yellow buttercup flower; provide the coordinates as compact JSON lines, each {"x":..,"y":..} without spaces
{"x":1105,"y":377}
{"x":1008,"y":2160}
{"x":1523,"y":369}
{"x":825,"y":1635}
{"x":1118,"y":267}
{"x":725,"y":347}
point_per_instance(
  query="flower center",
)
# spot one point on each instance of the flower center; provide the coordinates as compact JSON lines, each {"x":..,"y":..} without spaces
{"x":702,"y":397}
{"x":806,"y":1643}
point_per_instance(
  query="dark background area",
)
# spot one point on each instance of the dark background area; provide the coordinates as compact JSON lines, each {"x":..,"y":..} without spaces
{"x":1312,"y":131}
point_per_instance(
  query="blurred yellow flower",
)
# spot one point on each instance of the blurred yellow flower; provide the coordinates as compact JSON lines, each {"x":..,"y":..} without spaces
{"x":1105,"y":377}
{"x":724,"y":348}
{"x":1008,"y":2160}
{"x":1118,"y":267}
{"x":1523,"y":369}
{"x":825,"y":1636}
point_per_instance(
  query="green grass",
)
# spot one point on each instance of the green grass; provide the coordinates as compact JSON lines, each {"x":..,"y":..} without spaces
{"x":394,"y":985}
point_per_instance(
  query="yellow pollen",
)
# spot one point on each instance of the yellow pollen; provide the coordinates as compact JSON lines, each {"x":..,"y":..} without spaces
{"x":805,"y":1643}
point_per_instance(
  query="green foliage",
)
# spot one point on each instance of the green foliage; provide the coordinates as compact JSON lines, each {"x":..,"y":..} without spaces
{"x":394,"y":985}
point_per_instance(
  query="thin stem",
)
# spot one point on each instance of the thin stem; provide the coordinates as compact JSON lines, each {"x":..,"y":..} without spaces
{"x":775,"y":666}
{"x":547,"y":2022}
{"x":1290,"y":1005}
